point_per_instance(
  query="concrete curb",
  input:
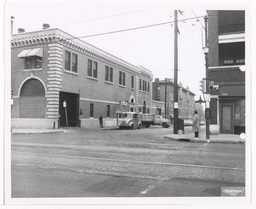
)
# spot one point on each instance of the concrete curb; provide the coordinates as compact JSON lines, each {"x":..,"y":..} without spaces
{"x":186,"y":139}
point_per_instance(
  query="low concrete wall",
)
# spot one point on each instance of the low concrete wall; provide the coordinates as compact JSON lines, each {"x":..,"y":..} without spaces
{"x":94,"y":123}
{"x":34,"y":123}
{"x":214,"y":129}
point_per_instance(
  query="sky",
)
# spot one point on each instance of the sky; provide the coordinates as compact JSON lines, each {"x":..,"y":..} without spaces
{"x":150,"y":47}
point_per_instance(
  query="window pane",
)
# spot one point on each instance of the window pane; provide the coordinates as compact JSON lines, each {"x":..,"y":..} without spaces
{"x":67,"y":60}
{"x":132,"y":81}
{"x":124,"y":79}
{"x":38,"y":62}
{"x":111,"y":74}
{"x":91,"y":110}
{"x":108,"y":110}
{"x":120,"y":77}
{"x":89,"y":69}
{"x":106,"y":73}
{"x":95,"y":69}
{"x":74,"y":62}
{"x":28,"y":63}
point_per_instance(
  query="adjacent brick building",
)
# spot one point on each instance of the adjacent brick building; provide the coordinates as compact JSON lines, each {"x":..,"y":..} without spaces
{"x":163,"y":91}
{"x":226,"y":56}
{"x":50,"y":67}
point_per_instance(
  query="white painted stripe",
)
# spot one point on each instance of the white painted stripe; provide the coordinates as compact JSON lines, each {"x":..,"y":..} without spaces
{"x":99,"y":101}
{"x":129,"y":161}
{"x":149,"y":188}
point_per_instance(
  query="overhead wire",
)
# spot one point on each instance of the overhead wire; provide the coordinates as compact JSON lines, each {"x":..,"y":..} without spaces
{"x":130,"y":29}
{"x":197,"y":19}
{"x":99,"y":18}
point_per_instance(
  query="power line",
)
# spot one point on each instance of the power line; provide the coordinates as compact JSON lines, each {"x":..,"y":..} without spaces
{"x":129,"y":29}
{"x":197,"y":19}
{"x":99,"y":18}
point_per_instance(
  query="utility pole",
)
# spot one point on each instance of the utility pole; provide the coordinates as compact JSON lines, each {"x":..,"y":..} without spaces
{"x":207,"y":95}
{"x":175,"y":93}
{"x":165,"y":92}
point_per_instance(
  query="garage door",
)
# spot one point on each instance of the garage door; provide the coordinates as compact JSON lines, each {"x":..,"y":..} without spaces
{"x":32,"y":100}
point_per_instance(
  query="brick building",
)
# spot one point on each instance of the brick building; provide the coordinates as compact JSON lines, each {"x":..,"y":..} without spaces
{"x":226,"y":55}
{"x":162,"y":90}
{"x":50,"y":67}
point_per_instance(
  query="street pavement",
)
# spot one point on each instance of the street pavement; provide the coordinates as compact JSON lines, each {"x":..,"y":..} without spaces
{"x":187,"y":136}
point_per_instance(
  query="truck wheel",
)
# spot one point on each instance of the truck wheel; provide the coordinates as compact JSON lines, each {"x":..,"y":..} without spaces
{"x":165,"y":125}
{"x":147,"y":125}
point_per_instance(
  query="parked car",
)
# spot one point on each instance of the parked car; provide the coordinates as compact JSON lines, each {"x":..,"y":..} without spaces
{"x":188,"y":122}
{"x":151,"y":119}
{"x":202,"y":122}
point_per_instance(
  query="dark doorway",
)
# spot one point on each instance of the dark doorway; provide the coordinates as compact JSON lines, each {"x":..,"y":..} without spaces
{"x":72,"y":101}
{"x":227,"y":126}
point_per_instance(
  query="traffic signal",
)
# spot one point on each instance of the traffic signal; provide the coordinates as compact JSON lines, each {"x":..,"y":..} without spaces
{"x":211,"y":85}
{"x":203,"y":85}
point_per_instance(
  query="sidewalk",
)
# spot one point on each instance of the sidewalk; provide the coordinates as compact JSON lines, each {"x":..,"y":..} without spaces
{"x":60,"y":130}
{"x":220,"y":138}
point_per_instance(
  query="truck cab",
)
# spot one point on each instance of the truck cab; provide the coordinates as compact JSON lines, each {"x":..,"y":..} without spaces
{"x":129,"y":120}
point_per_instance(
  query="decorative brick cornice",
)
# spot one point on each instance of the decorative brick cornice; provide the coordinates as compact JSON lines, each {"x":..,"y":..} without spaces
{"x":57,"y":36}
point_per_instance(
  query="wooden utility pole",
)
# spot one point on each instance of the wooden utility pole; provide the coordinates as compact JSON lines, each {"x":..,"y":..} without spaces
{"x":165,"y":95}
{"x":207,"y":95}
{"x":175,"y":93}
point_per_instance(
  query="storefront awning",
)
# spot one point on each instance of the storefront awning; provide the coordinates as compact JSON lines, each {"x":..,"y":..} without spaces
{"x":31,"y":52}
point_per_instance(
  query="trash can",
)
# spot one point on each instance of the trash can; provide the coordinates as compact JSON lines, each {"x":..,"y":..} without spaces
{"x":181,"y":125}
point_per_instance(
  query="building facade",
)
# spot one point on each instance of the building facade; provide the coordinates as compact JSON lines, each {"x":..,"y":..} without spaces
{"x":163,"y":92}
{"x":227,"y":82}
{"x":57,"y":79}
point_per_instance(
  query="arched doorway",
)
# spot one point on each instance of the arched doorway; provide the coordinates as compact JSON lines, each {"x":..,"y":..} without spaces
{"x":144,"y":107}
{"x":32,"y":99}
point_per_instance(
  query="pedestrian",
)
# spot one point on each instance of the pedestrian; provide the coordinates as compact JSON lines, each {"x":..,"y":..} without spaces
{"x":195,"y":124}
{"x":101,"y":121}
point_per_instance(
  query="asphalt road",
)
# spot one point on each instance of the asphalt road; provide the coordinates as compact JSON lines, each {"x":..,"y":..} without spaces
{"x":122,"y":163}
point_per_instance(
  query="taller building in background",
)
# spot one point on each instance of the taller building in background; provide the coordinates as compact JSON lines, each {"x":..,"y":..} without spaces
{"x":162,"y":90}
{"x":227,"y":82}
{"x":52,"y":70}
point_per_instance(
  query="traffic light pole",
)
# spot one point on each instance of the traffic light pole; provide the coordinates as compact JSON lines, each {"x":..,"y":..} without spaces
{"x":175,"y":93}
{"x":207,"y":95}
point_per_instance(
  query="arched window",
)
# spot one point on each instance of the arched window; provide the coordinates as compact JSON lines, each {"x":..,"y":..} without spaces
{"x":144,"y":107}
{"x":32,"y":87}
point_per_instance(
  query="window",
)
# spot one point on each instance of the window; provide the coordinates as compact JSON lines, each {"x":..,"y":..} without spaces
{"x":67,"y":60}
{"x":108,"y":111}
{"x":32,"y":58}
{"x":74,"y":63}
{"x":108,"y":74}
{"x":148,"y":87}
{"x":92,"y":69}
{"x":91,"y":110}
{"x":70,"y":64}
{"x":231,"y":21}
{"x":232,"y":54}
{"x":140,"y":84}
{"x":121,"y":78}
{"x":132,"y":81}
{"x":33,"y":62}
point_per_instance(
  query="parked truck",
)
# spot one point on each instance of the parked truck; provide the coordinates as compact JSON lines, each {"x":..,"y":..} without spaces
{"x":129,"y":120}
{"x":151,"y":119}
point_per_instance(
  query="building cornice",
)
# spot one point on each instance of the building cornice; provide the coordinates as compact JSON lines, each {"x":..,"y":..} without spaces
{"x":57,"y":36}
